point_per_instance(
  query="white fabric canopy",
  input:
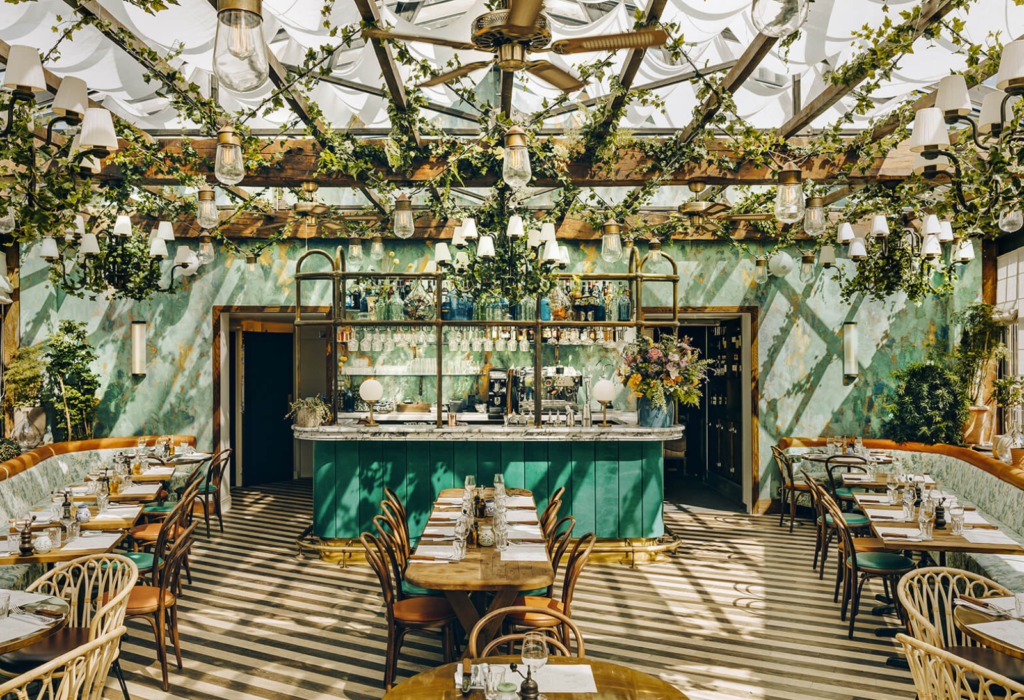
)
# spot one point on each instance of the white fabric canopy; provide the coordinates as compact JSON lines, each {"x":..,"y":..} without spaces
{"x":716,"y":31}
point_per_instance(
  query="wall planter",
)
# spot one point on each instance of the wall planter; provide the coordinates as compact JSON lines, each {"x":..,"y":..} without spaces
{"x":976,"y":431}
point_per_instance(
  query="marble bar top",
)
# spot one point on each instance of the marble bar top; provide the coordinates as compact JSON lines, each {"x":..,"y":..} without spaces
{"x":624,"y":430}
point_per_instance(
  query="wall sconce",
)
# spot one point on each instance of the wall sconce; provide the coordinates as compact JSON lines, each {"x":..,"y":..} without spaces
{"x":139,"y":348}
{"x":850,"y":349}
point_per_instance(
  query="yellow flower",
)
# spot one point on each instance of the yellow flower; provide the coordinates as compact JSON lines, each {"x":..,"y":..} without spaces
{"x":634,"y":381}
{"x":343,"y":359}
{"x":638,"y":394}
{"x":409,"y":266}
{"x":391,"y":253}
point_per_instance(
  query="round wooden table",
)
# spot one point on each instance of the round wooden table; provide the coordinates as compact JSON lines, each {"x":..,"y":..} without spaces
{"x":40,"y":634}
{"x":962,"y":617}
{"x":614,"y":682}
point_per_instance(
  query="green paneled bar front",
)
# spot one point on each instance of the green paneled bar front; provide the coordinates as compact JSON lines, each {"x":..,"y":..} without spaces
{"x":614,"y":487}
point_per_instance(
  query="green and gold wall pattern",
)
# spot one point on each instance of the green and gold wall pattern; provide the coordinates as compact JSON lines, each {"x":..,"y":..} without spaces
{"x":802,"y":388}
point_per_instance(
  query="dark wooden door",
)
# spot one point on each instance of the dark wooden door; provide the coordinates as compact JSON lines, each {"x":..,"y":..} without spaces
{"x":267,"y":361}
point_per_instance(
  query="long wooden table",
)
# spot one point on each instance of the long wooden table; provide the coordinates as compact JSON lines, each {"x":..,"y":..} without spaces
{"x":481,"y":570}
{"x":55,"y":556}
{"x":614,"y":682}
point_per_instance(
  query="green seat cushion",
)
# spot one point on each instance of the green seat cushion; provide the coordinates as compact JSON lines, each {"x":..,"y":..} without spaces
{"x":203,"y":488}
{"x":537,"y":592}
{"x":143,"y":560}
{"x":159,"y":507}
{"x":414,"y":590}
{"x":852,"y":519}
{"x":884,"y":561}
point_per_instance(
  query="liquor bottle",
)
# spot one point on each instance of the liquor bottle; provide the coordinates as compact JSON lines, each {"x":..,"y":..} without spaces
{"x":446,"y":305}
{"x":597,"y":303}
{"x":625,"y":305}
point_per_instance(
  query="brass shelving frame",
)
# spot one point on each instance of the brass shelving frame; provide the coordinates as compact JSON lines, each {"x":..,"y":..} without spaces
{"x":338,"y":276}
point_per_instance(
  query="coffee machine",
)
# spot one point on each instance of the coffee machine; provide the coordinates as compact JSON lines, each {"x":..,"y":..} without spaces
{"x":499,"y":396}
{"x":560,"y":387}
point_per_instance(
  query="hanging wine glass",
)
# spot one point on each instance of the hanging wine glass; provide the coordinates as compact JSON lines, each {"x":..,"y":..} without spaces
{"x":366,"y":344}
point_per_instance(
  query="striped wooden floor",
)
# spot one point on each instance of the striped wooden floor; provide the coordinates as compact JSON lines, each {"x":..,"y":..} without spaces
{"x":736,"y":613}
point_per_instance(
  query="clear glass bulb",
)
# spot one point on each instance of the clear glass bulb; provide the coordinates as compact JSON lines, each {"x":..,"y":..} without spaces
{"x":377,"y":250}
{"x":405,"y":226}
{"x":789,"y":203}
{"x":611,"y":247}
{"x":806,"y":272}
{"x":206,"y":252}
{"x":229,"y":169}
{"x":7,"y":220}
{"x":206,"y":213}
{"x":779,"y":18}
{"x":516,"y":170}
{"x":761,"y":271}
{"x":354,"y":258}
{"x":814,"y":221}
{"x":239,"y":52}
{"x":1011,"y":221}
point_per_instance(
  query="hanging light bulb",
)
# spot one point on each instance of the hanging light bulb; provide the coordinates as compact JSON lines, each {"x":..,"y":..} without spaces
{"x":1011,"y":220}
{"x":250,"y":261}
{"x":205,"y":250}
{"x":845,"y":233}
{"x":485,"y":248}
{"x":354,"y":258}
{"x":827,"y":257}
{"x":611,"y":241}
{"x":206,"y":207}
{"x":654,"y":252}
{"x":239,"y":52}
{"x":789,"y":195}
{"x":49,"y":251}
{"x":814,"y":217}
{"x":376,"y":249}
{"x":778,"y":18}
{"x":405,"y":226}
{"x":761,"y":270}
{"x":229,"y":168}
{"x":515,"y":226}
{"x":516,"y":168}
{"x":7,"y":221}
{"x":807,"y":267}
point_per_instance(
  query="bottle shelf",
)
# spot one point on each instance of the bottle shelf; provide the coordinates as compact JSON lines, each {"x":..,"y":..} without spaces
{"x":409,"y":374}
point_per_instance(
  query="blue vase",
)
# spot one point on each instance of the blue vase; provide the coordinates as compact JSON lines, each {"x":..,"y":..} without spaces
{"x":648,"y":416}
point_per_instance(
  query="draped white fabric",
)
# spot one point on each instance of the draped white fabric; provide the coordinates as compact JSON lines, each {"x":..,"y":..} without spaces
{"x":716,"y":31}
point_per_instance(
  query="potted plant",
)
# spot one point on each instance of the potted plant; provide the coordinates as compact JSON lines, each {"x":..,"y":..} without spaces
{"x":1008,"y":393}
{"x":981,"y":344}
{"x":309,"y":413}
{"x":658,"y":371}
{"x":929,"y":404}
{"x":23,"y":385}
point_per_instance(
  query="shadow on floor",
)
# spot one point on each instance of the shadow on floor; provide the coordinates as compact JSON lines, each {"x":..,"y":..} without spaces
{"x":685,"y":491}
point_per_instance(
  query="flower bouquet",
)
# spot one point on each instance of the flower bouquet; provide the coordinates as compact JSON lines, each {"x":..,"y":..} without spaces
{"x":658,"y":371}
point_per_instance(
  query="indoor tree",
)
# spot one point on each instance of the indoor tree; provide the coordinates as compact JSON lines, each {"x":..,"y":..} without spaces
{"x":70,"y":385}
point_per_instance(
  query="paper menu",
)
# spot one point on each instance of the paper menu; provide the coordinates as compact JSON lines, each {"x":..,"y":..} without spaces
{"x":443,"y":530}
{"x":565,"y":678}
{"x":426,"y":550}
{"x":16,"y":626}
{"x":988,"y":537}
{"x":973,"y":517}
{"x":1007,"y":631}
{"x":518,"y":501}
{"x":522,"y":552}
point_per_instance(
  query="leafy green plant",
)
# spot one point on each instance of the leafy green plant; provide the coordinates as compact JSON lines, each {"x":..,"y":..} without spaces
{"x":23,"y":378}
{"x":981,"y":344}
{"x":315,"y":406}
{"x":929,"y":404}
{"x":1009,"y":391}
{"x":70,"y":386}
{"x":9,"y":449}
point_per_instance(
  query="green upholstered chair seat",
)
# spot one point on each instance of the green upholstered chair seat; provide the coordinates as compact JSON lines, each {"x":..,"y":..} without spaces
{"x":852,"y":519}
{"x":883,"y":561}
{"x":203,"y":488}
{"x":844,"y":492}
{"x":143,"y":560}
{"x":159,"y":507}
{"x":414,"y":590}
{"x":536,"y":592}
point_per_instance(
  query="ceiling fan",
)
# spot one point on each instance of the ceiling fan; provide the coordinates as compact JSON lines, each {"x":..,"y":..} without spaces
{"x":521,"y":29}
{"x":702,"y":213}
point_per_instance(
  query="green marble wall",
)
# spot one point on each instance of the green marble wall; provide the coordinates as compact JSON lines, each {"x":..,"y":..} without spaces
{"x":802,"y":388}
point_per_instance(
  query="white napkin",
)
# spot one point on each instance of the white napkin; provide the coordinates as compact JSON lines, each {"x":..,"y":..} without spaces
{"x":866,"y":498}
{"x":525,"y":552}
{"x":453,"y":499}
{"x":160,"y":471}
{"x":988,"y":537}
{"x":890,"y":515}
{"x":426,"y":550}
{"x":518,"y":501}
{"x":443,"y":530}
{"x":15,"y":626}
{"x":857,"y":476}
{"x":565,"y":678}
{"x":914,"y":533}
{"x":92,"y":540}
{"x":43,"y":517}
{"x":118,"y":513}
{"x":140,"y":490}
{"x":524,"y":531}
{"x":445,"y":515}
{"x":973,"y":517}
{"x":521,"y":516}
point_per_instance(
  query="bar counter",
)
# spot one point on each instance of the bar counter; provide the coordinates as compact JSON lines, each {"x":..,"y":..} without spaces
{"x":613,"y":477}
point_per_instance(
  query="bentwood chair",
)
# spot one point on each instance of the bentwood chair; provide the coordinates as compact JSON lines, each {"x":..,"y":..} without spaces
{"x":573,"y":568}
{"x":940,"y":675}
{"x":557,"y":619}
{"x":158,"y":604}
{"x":79,"y":674}
{"x":927,"y":597}
{"x":550,"y":515}
{"x":399,"y":507}
{"x":398,"y":556}
{"x":824,"y":523}
{"x":861,"y":567}
{"x":159,"y":511}
{"x":556,"y":547}
{"x":842,"y":494}
{"x":96,"y":588}
{"x":420,"y":614}
{"x":209,"y":491}
{"x":790,"y":486}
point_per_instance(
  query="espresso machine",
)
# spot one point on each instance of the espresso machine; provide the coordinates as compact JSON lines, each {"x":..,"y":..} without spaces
{"x":499,"y":395}
{"x":560,"y":387}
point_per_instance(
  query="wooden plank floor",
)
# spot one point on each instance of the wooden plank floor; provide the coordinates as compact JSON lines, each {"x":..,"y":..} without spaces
{"x":736,"y":613}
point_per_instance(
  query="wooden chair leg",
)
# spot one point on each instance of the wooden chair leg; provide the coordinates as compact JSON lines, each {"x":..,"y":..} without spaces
{"x":840,"y":574}
{"x":817,"y":545}
{"x":824,"y":554}
{"x":206,"y":516}
{"x":792,"y":508}
{"x":782,"y":507}
{"x":847,"y":594}
{"x":174,"y":634}
{"x":387,"y":659}
{"x":855,"y":607}
{"x":220,"y":516}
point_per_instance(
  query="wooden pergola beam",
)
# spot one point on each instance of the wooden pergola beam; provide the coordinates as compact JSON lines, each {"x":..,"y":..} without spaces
{"x":931,"y":12}
{"x":634,"y":59}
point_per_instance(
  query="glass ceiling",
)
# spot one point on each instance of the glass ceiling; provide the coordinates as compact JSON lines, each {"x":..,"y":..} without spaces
{"x":716,"y":32}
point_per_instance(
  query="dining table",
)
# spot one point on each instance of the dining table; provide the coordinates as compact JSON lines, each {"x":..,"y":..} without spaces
{"x":118,"y":516}
{"x":19,"y":630}
{"x":87,"y":543}
{"x":995,"y":630}
{"x":484,"y":569}
{"x":136,"y":493}
{"x":822,"y":457}
{"x":612,"y":681}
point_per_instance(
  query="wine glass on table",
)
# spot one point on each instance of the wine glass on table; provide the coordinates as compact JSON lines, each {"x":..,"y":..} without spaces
{"x":535,"y":655}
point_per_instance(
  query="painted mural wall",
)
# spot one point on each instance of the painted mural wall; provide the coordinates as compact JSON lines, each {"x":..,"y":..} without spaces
{"x":802,"y":388}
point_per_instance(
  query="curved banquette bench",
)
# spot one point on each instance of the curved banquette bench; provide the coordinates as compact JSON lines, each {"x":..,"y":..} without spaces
{"x":994,"y":487}
{"x":30,"y":478}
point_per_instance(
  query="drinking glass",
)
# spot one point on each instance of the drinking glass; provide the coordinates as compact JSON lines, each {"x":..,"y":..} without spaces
{"x":535,"y":652}
{"x":494,"y":677}
{"x":13,"y":543}
{"x":830,"y":445}
{"x":73,"y":531}
{"x":956,"y":517}
{"x":1018,"y":606}
{"x":926,"y":524}
{"x":501,"y":538}
{"x":101,"y":502}
{"x":470,"y":482}
{"x":55,"y":535}
{"x":458,"y":550}
{"x":908,"y":504}
{"x":5,"y":605}
{"x":891,"y":486}
{"x":859,"y":445}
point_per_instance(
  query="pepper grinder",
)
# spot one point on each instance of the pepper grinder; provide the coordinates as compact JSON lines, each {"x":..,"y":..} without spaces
{"x":940,"y":514}
{"x":25,"y":547}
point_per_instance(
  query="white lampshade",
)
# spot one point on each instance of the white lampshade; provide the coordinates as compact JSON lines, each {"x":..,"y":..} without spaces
{"x":604,"y":390}
{"x":931,"y":248}
{"x":98,"y":131}
{"x":158,"y":247}
{"x":24,"y":70}
{"x":858,"y":251}
{"x":1011,"y":66}
{"x":945,"y":232}
{"x":72,"y":98}
{"x":165,"y":231}
{"x":924,"y":166}
{"x":123,"y":225}
{"x":485,"y":248}
{"x":827,"y":257}
{"x":547,"y":232}
{"x":931,"y":225}
{"x":461,"y":259}
{"x":3,"y":264}
{"x":87,"y":162}
{"x":90,"y":246}
{"x":371,"y":391}
{"x":515,"y":226}
{"x":929,"y":131}
{"x":441,"y":252}
{"x":80,"y":225}
{"x":965,"y":251}
{"x":5,"y":284}
{"x":879,"y":226}
{"x":191,"y":261}
{"x":551,"y":251}
{"x":49,"y":251}
{"x":458,"y":240}
{"x":563,"y":255}
{"x":845,"y":234}
{"x":533,"y":239}
{"x":952,"y":99}
{"x":991,"y":119}
{"x":469,"y":229}
{"x":182,"y":255}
